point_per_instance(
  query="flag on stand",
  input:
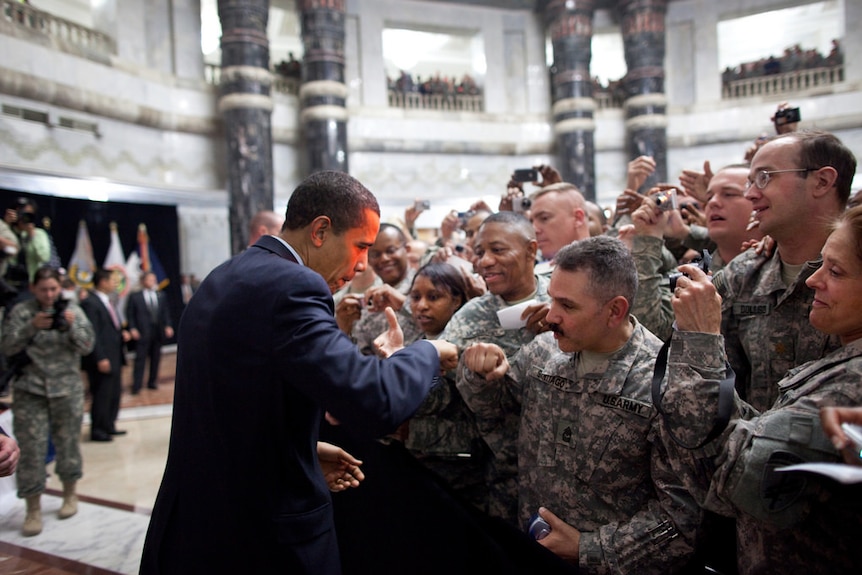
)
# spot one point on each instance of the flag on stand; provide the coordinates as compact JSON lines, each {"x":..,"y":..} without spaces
{"x":149,"y":260}
{"x":82,"y":263}
{"x":133,"y":268}
{"x":116,"y":262}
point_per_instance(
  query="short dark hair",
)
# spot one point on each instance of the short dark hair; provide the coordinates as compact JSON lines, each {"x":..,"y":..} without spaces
{"x":101,"y":275}
{"x":398,"y":231}
{"x":514,"y":220}
{"x":333,"y":194}
{"x":445,"y":276}
{"x":609,"y":264}
{"x":46,"y":273}
{"x":818,"y":149}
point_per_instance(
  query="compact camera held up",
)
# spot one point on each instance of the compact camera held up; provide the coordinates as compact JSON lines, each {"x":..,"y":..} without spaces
{"x":60,"y":322}
{"x":787,"y":116}
{"x":666,"y":200}
{"x":521,"y":205}
{"x":703,"y":262}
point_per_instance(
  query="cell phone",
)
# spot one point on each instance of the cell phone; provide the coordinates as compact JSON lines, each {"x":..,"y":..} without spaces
{"x":538,"y":528}
{"x":854,"y":434}
{"x":422,"y":205}
{"x":787,"y":116}
{"x":526,"y":175}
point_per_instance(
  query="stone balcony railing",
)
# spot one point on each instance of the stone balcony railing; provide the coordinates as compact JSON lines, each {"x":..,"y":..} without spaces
{"x":280,"y":84}
{"x":786,"y":83}
{"x":444,"y":102}
{"x":25,"y":15}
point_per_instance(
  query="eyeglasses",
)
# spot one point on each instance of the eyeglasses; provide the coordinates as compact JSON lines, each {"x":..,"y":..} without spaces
{"x":390,"y":251}
{"x":762,"y":177}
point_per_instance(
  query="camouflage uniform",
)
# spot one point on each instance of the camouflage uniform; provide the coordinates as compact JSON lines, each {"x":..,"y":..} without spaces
{"x":347,"y":289}
{"x":786,"y":523}
{"x":51,"y":384}
{"x":588,"y":451}
{"x":443,"y":436}
{"x":372,"y":324}
{"x":477,"y":321}
{"x":652,"y":302}
{"x":765,"y":324}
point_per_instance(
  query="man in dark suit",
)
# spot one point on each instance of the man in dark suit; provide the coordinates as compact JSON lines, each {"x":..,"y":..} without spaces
{"x":260,"y":358}
{"x":104,"y":364}
{"x":150,"y":325}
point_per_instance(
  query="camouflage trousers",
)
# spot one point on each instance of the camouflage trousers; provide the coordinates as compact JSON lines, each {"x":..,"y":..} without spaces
{"x":33,"y":417}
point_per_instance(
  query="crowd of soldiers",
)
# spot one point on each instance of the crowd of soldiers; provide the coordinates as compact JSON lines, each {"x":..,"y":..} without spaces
{"x":635,"y":465}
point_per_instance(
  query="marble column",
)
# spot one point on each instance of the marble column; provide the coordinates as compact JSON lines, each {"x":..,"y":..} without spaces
{"x":643,"y":27}
{"x":570,"y":25}
{"x":323,"y":93}
{"x":246,"y":107}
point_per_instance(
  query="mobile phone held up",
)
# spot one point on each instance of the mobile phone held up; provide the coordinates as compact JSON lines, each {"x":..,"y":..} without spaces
{"x":526,"y":175}
{"x":787,"y":116}
{"x":422,"y":205}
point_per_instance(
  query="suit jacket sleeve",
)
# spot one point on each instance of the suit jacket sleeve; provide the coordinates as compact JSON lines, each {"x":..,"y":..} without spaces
{"x":373,"y":394}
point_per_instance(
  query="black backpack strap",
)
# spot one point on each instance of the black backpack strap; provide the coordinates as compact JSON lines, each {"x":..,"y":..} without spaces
{"x":725,"y":397}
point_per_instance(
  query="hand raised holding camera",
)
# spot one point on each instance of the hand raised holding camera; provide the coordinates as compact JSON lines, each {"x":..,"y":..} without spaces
{"x":379,"y":298}
{"x":43,"y":319}
{"x":696,"y":303}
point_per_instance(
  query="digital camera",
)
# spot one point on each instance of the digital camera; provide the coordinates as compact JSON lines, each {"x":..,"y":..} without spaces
{"x":526,"y":175}
{"x":521,"y":205}
{"x":60,"y":322}
{"x":787,"y":116}
{"x":703,"y":262}
{"x":666,"y":200}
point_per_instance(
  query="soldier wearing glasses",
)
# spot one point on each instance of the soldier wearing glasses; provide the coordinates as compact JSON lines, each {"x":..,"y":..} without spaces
{"x":798,"y":183}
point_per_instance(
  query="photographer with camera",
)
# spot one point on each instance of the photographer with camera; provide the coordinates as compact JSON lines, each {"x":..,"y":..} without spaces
{"x":54,"y":334}
{"x":34,"y":242}
{"x":727,"y":214}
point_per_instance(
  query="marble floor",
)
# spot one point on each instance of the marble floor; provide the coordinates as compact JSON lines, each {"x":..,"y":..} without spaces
{"x":120,"y":483}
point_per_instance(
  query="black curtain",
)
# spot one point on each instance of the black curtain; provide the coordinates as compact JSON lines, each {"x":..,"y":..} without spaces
{"x":66,"y":213}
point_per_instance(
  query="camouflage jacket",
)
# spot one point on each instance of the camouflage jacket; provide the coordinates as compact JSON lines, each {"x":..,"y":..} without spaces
{"x":786,"y":522}
{"x":443,"y":425}
{"x":372,"y":324}
{"x":765,"y":324}
{"x":588,"y":450}
{"x":652,"y":303}
{"x":55,"y":370}
{"x":477,"y":321}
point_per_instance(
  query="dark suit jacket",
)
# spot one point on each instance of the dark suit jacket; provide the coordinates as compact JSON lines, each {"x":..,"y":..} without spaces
{"x":109,"y":339}
{"x":138,"y":315}
{"x":259,"y":358}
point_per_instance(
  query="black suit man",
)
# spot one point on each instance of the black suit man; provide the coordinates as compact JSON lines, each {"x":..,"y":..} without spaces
{"x":104,"y":364}
{"x":149,"y":325}
{"x":260,"y":358}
